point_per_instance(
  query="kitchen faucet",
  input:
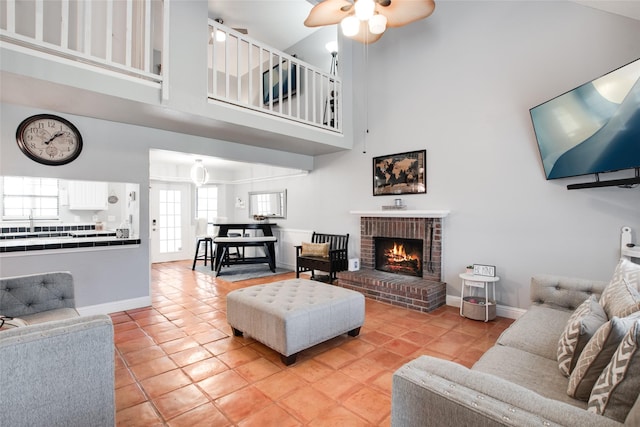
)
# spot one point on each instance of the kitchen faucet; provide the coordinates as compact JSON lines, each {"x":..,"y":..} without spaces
{"x":32,"y":227}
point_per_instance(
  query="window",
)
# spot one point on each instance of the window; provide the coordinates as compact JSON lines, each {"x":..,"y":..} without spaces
{"x":26,"y":197}
{"x":170,"y":221}
{"x":207,"y":205}
{"x":264,"y":204}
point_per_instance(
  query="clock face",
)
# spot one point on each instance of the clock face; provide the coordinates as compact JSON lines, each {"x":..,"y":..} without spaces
{"x":48,"y":139}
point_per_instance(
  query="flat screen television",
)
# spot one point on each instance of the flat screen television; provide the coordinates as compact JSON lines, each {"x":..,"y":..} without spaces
{"x":274,"y":93}
{"x":593,"y":128}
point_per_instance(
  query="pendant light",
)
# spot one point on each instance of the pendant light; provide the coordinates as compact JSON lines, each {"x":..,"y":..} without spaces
{"x":199,"y":174}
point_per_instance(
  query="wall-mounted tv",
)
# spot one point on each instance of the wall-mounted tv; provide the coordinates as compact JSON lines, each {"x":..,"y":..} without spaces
{"x":274,"y":93}
{"x":593,"y":128}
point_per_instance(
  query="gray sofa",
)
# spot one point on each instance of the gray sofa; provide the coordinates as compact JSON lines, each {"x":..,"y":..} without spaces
{"x":58,"y":370}
{"x":516,"y":382}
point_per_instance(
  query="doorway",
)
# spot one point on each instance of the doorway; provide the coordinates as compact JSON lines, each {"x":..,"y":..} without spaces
{"x":170,"y":223}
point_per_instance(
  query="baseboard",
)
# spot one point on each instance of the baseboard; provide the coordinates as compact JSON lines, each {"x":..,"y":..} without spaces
{"x":115,"y":306}
{"x":287,"y":266}
{"x":501,"y":310}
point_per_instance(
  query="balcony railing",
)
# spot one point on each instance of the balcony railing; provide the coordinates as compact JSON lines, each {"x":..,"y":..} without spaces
{"x":250,"y":74}
{"x":121,"y":35}
{"x":129,"y":37}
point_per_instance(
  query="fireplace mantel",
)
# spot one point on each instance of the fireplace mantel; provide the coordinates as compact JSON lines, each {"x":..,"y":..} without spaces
{"x":424,"y":293}
{"x":402,"y":213}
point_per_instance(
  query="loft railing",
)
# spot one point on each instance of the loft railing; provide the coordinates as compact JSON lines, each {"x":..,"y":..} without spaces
{"x":127,"y":37}
{"x":248,"y":73}
{"x":120,"y":35}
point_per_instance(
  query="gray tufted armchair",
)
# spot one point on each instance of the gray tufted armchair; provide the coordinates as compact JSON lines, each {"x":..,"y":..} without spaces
{"x":38,"y":298}
{"x":59,"y":369}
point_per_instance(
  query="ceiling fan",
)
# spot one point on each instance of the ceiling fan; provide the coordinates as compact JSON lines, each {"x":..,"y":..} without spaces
{"x":366,"y":20}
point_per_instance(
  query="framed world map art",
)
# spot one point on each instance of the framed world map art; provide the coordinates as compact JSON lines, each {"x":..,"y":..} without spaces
{"x":402,"y":173}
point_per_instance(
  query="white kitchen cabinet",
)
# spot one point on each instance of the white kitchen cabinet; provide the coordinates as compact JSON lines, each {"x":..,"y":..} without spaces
{"x":88,"y":195}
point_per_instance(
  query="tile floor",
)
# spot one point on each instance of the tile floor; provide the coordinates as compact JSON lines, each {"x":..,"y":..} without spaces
{"x":178,"y":364}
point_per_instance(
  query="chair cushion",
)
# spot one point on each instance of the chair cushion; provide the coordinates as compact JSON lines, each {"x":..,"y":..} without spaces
{"x":597,"y":355}
{"x":618,"y":386}
{"x":315,"y":249}
{"x":621,"y":297}
{"x":49,"y":315}
{"x":583,"y":323}
{"x":11,"y":322}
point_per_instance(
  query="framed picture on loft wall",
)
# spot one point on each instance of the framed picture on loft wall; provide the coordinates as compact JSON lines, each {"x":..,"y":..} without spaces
{"x":287,"y":89}
{"x":402,"y":173}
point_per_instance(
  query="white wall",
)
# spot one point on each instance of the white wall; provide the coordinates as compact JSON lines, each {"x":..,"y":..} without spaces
{"x":110,"y":152}
{"x":120,"y":153}
{"x":460,"y":84}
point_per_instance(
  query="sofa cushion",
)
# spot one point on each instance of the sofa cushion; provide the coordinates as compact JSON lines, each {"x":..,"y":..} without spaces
{"x":537,"y":332}
{"x":315,"y":249}
{"x":536,"y":373}
{"x":583,"y":323}
{"x":618,"y":386}
{"x":597,"y":355}
{"x":11,"y":322}
{"x":565,"y":293}
{"x":42,"y":317}
{"x":49,"y":315}
{"x":621,"y":297}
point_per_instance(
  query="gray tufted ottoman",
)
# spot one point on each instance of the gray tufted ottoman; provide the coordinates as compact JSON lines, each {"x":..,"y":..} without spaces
{"x":292,"y":315}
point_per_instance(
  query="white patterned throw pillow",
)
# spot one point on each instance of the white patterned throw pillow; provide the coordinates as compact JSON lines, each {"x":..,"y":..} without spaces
{"x":597,"y":355}
{"x":621,"y":297}
{"x":618,"y":386}
{"x":582,"y":325}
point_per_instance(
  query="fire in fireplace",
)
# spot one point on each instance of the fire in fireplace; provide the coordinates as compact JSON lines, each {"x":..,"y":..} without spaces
{"x":399,"y":255}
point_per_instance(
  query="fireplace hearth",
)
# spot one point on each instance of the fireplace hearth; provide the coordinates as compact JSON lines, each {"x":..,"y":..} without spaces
{"x":424,"y":292}
{"x":398,"y":255}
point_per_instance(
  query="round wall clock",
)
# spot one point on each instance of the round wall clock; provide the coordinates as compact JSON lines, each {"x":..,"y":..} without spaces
{"x":49,"y":139}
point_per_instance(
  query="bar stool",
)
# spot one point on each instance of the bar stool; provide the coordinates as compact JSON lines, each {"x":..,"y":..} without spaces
{"x":202,"y":237}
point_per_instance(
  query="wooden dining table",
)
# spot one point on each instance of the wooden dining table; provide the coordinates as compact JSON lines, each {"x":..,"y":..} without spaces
{"x":222,"y":240}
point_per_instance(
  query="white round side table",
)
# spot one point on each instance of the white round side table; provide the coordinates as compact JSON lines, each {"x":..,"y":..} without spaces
{"x":470,"y":281}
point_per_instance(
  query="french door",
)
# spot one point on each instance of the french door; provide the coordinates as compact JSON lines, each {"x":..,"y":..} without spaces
{"x":170,"y":221}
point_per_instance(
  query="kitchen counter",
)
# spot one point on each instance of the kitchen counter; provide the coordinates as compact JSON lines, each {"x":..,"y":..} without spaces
{"x":27,"y":243}
{"x":60,"y":234}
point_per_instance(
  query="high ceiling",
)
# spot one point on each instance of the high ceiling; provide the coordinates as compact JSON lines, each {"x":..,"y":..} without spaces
{"x":628,"y":8}
{"x":278,"y":23}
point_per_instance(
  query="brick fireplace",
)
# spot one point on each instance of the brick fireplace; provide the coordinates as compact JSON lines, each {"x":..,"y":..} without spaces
{"x":424,"y":293}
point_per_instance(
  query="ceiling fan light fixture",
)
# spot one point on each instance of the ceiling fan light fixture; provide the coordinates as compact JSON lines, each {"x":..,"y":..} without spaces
{"x":350,"y":26}
{"x":375,"y":15}
{"x":377,"y":24}
{"x":364,"y":9}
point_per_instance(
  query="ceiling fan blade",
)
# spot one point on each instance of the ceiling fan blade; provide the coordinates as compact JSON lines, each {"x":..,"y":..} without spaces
{"x":365,"y":36}
{"x":403,"y":12}
{"x":328,"y":12}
